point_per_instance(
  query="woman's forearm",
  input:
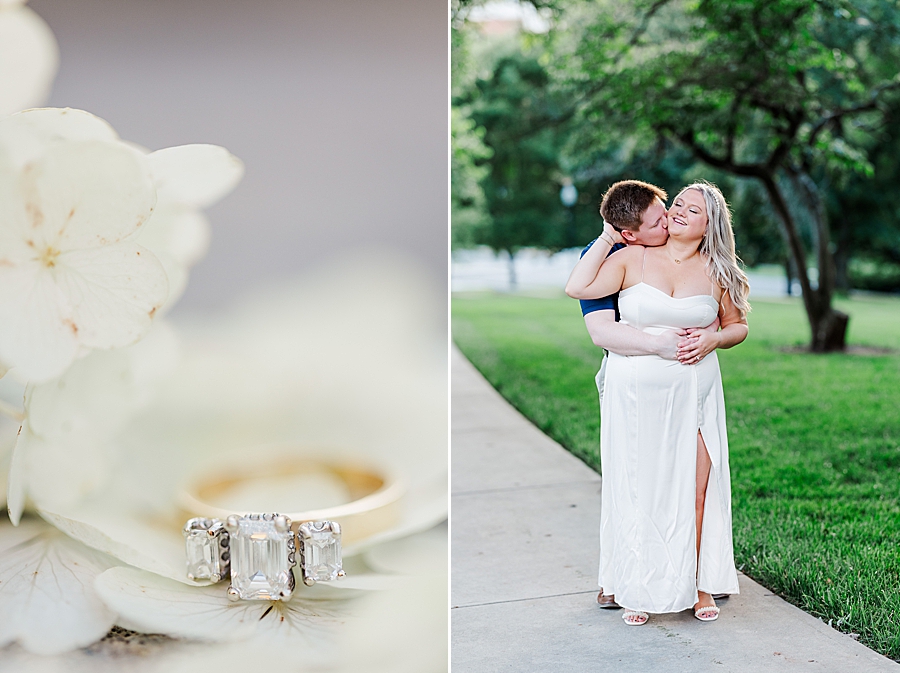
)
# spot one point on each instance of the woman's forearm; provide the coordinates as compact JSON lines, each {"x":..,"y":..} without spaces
{"x":732,"y":335}
{"x":585,"y":271}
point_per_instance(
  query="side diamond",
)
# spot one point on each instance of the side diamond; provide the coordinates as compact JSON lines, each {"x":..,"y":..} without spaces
{"x":206,"y":548}
{"x":320,"y":551}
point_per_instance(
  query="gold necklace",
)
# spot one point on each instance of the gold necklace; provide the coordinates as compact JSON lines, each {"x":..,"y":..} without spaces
{"x":677,"y":261}
{"x":672,"y":257}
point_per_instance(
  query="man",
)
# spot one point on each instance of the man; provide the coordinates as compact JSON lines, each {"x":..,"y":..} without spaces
{"x":634,"y":213}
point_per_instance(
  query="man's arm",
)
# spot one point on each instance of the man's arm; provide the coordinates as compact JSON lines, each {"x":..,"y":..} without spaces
{"x":627,"y":340}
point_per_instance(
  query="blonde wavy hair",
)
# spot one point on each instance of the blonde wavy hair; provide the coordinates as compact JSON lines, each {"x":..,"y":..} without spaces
{"x":718,"y":246}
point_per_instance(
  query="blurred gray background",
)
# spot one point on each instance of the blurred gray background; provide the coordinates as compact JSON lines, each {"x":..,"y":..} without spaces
{"x":337,"y":108}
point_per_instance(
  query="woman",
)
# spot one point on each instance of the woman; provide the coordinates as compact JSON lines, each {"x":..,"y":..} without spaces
{"x":666,"y":512}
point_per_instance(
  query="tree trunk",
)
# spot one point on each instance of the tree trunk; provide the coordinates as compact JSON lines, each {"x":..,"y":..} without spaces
{"x":842,"y":253}
{"x":828,"y":327}
{"x":841,"y":269}
{"x":830,"y":332}
{"x":512,"y":271}
{"x":789,"y":272}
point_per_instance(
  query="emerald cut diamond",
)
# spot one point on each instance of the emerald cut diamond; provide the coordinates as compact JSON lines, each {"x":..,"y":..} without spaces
{"x":206,"y":547}
{"x":320,"y":551}
{"x":262,"y":555}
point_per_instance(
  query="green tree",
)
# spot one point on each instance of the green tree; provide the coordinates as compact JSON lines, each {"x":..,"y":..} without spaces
{"x":760,"y":89}
{"x":467,"y":151}
{"x":864,"y":214}
{"x":515,"y":109}
{"x":467,"y":203}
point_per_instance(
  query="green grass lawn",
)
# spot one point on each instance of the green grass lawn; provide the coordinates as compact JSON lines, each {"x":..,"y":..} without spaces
{"x":814,"y":441}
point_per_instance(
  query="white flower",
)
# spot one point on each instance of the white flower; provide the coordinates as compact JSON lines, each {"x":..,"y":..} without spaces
{"x":69,"y":278}
{"x":29,"y":57}
{"x":47,"y":598}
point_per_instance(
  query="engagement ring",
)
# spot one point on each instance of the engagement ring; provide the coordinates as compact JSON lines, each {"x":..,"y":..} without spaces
{"x":259,"y":551}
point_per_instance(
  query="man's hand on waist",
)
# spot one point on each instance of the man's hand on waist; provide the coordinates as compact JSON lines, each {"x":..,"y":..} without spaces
{"x":667,"y":343}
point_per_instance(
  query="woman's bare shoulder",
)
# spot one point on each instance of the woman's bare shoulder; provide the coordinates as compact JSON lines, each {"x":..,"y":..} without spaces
{"x":630,"y":254}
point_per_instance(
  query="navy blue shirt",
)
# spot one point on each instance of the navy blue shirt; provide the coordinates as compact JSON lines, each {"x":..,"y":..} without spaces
{"x":604,"y":303}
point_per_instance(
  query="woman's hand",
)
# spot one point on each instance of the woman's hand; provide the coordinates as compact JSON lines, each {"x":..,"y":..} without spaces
{"x":614,"y":234}
{"x":696,"y":345}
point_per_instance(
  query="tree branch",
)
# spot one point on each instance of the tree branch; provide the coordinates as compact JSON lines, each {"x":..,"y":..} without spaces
{"x":645,"y":22}
{"x":871,"y":104}
{"x":726,"y":163}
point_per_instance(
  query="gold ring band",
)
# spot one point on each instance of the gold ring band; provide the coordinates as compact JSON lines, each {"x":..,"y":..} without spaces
{"x":374,"y":505}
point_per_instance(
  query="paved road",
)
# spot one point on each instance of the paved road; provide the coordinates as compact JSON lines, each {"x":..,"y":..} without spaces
{"x":525,"y":524}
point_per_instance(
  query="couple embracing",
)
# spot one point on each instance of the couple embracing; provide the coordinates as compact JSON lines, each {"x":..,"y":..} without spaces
{"x":670,"y":296}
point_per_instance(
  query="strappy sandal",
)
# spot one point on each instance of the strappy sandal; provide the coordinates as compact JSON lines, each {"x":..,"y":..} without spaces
{"x":707,"y":609}
{"x":642,"y":616}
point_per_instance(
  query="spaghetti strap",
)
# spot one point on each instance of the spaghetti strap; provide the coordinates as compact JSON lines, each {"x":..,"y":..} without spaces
{"x":643,"y":263}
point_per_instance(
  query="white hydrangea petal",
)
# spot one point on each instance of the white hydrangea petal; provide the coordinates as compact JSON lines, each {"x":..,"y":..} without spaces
{"x":14,"y":229}
{"x":179,"y":237}
{"x":182,"y":232}
{"x":114,"y":291}
{"x":26,"y":135}
{"x":140,"y":539}
{"x":194,"y":175}
{"x":29,"y":58}
{"x":47,"y":598}
{"x":415,"y":611}
{"x":37,"y":328}
{"x":366,"y":581}
{"x":11,"y":396}
{"x":177,"y":275}
{"x":88,"y":194}
{"x":379,"y":640}
{"x":157,"y":605}
{"x":99,"y":393}
{"x":423,"y":553}
{"x":60,"y":474}
{"x":17,"y":482}
{"x":13,"y":536}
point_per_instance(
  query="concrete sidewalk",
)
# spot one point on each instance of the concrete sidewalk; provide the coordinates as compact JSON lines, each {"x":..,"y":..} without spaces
{"x":525,"y":525}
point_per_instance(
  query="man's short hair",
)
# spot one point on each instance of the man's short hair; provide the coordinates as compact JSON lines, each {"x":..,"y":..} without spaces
{"x":625,"y":202}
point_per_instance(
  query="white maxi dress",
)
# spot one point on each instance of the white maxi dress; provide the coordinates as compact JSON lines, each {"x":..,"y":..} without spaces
{"x":651,"y":410}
